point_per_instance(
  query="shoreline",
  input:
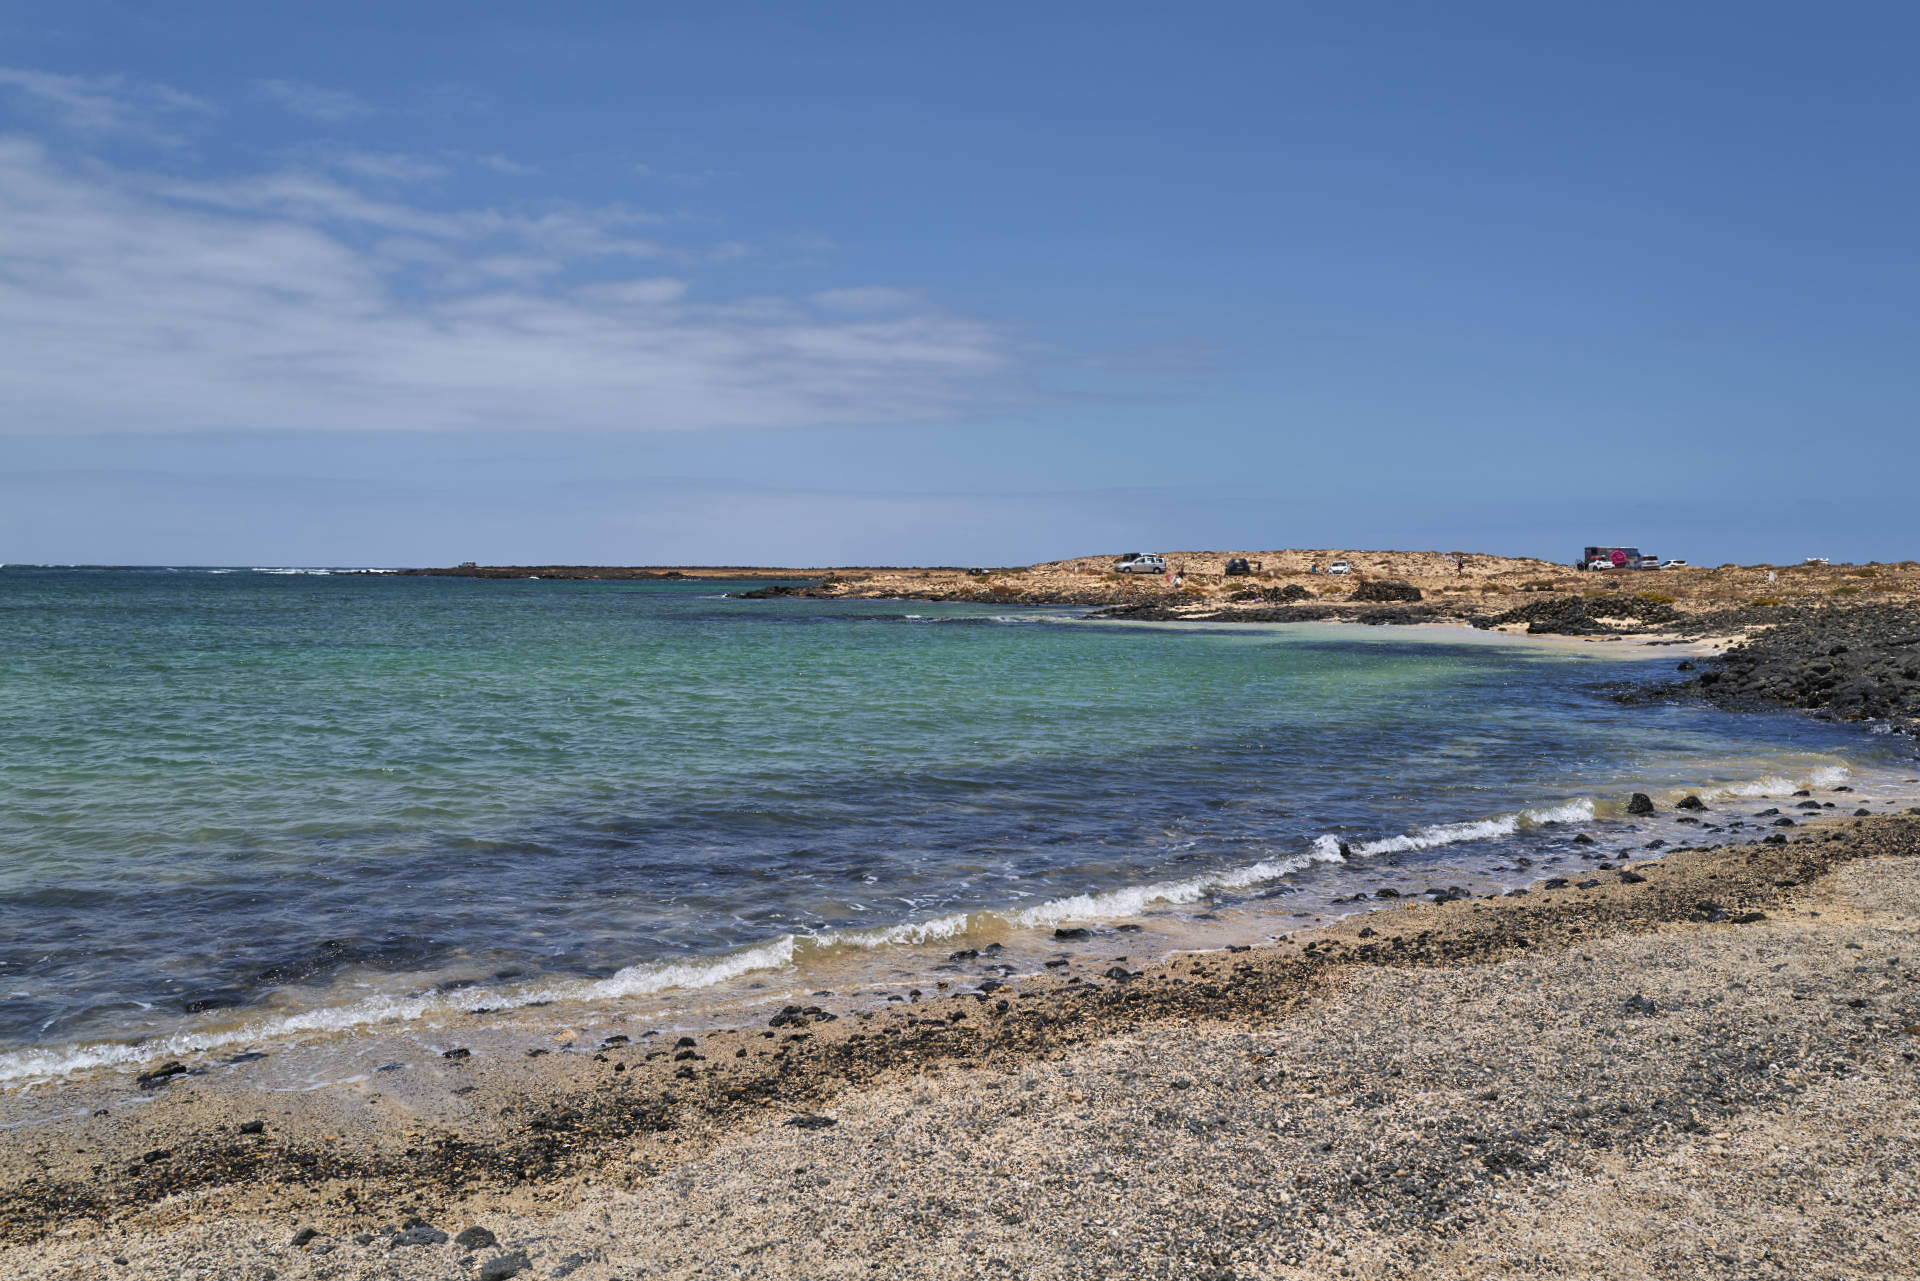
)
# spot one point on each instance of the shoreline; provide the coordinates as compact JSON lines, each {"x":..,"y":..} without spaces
{"x":684,"y":1142}
{"x":534,"y":1131}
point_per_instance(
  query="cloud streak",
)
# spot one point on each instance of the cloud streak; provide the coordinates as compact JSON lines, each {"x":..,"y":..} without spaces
{"x":328,"y":106}
{"x":294,"y":299}
{"x":105,"y":106}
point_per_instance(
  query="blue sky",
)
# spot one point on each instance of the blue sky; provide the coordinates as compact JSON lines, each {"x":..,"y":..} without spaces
{"x":732,"y":283}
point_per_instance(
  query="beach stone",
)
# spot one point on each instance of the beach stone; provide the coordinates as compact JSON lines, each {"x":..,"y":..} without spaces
{"x":419,"y":1235}
{"x":1632,"y":878}
{"x":1639,"y":1004}
{"x":456,"y":1054}
{"x":303,"y":1236}
{"x":812,"y":1121}
{"x":160,"y":1075}
{"x":1690,"y":803}
{"x":1077,"y":932}
{"x":253,"y":1127}
{"x":1640,"y":804}
{"x":502,"y":1266}
{"x":474,"y":1238}
{"x":363,"y":1238}
{"x":1583,"y":839}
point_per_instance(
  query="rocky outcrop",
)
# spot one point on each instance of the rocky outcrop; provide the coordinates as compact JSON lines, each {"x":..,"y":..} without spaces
{"x":1384,"y":593}
{"x":1585,"y":615}
{"x":1845,"y":664}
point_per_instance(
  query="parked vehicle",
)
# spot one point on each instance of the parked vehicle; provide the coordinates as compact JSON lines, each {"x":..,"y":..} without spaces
{"x":1674,"y":564}
{"x":1616,"y":557}
{"x":1135,"y":563}
{"x":1237,"y":567}
{"x":1339,"y":569}
{"x":1649,"y":562}
{"x":1599,"y":563}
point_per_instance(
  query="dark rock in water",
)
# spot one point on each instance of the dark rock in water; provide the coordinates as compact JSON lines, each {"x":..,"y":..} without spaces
{"x":420,"y":1235}
{"x":1583,"y":839}
{"x":964,"y":954}
{"x":303,"y":1236}
{"x":1640,"y":804}
{"x":1863,"y":813}
{"x":1690,"y":803}
{"x":253,"y":1127}
{"x":1121,"y":973}
{"x":1639,"y":1004}
{"x":1077,"y":932}
{"x":1586,"y":885}
{"x":502,"y":1266}
{"x":460,"y":1053}
{"x":1554,"y":883}
{"x":1388,"y":892}
{"x":1383,"y":593}
{"x":812,"y":1121}
{"x":1656,"y":844}
{"x":1783,"y":822}
{"x":160,"y":1075}
{"x":1808,"y":805}
{"x":1768,"y":813}
{"x":475,"y":1238}
{"x":616,"y":1039}
{"x":1054,"y":965}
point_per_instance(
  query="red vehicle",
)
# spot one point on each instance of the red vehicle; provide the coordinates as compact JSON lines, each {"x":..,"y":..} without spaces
{"x":1611,"y":558}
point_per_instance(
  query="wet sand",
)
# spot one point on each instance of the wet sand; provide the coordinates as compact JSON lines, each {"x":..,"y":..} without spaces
{"x":1703,"y":1066}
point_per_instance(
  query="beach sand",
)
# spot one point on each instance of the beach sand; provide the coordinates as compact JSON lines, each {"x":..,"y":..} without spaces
{"x":1709,"y":1071}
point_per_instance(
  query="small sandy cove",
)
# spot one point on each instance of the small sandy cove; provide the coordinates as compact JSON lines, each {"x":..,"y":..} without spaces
{"x":1703,"y":1065}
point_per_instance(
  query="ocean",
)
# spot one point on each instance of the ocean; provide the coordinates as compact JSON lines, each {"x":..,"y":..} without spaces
{"x":254,"y":803}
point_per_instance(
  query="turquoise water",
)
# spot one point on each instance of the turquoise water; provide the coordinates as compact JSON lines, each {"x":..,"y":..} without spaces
{"x":226,"y":790}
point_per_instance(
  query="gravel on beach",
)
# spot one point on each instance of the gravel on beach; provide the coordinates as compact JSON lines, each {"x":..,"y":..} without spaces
{"x":1703,"y":1067}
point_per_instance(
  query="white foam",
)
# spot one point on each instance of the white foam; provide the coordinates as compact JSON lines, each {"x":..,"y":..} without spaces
{"x":644,"y":980}
{"x":1575,"y":811}
{"x":23,"y":1066}
{"x":1133,"y":899}
{"x":907,"y":933}
{"x":1426,"y":838}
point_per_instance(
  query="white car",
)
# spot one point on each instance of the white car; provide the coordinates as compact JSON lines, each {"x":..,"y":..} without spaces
{"x":1339,"y":569}
{"x":1673,"y":564}
{"x":1134,"y":563}
{"x":1597,"y":563}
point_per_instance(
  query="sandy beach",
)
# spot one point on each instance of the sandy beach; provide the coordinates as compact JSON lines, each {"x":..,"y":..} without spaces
{"x":1699,"y":1065}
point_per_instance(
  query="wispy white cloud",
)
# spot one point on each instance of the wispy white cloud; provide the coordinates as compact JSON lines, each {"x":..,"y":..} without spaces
{"x":104,"y":105}
{"x":297,"y":299}
{"x":329,"y":106}
{"x":392,"y":166}
{"x":501,"y":164}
